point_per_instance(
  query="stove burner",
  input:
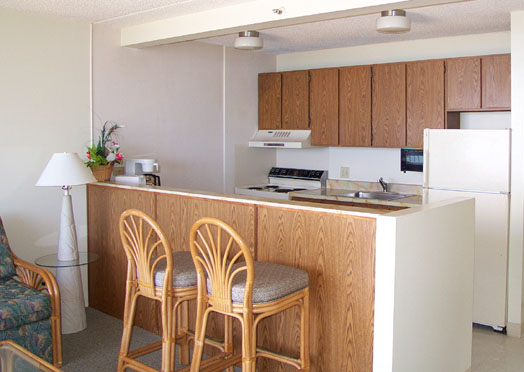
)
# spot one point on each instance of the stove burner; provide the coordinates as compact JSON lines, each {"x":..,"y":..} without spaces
{"x":255,"y":188}
{"x":272,"y":187}
{"x":284,"y":190}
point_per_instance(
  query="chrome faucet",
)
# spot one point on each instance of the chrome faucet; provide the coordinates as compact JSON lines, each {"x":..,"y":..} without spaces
{"x":383,"y":184}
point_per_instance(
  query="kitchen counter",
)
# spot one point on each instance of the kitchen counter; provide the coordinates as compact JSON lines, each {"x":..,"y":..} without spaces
{"x":362,"y":210}
{"x":380,"y":280}
{"x":328,"y":194}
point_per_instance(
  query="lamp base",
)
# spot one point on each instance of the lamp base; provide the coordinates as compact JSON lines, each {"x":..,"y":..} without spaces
{"x":67,"y":243}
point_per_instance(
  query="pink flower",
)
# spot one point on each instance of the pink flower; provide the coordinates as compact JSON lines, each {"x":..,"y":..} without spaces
{"x":119,"y":157}
{"x":88,"y":155}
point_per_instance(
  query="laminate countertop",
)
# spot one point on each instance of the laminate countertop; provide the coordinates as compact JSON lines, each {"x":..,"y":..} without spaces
{"x":332,"y":194}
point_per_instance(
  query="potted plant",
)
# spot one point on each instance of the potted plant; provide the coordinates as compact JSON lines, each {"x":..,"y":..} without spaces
{"x":102,"y":156}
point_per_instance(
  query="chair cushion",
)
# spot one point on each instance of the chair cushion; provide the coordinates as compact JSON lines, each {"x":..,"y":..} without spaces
{"x":184,"y":273}
{"x":272,"y":281}
{"x":7,"y":267}
{"x":20,"y":304}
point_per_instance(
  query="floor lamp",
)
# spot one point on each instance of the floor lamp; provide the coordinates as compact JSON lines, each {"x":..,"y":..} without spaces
{"x":66,"y":169}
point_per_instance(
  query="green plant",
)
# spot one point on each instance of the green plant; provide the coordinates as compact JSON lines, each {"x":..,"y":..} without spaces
{"x":106,"y":151}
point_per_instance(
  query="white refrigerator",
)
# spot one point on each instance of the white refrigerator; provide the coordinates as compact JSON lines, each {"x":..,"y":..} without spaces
{"x":476,"y":163}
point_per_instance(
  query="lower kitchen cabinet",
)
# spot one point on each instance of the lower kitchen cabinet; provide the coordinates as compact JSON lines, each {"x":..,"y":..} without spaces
{"x":323,"y":106}
{"x":425,"y":99}
{"x":389,"y":105}
{"x":355,"y":106}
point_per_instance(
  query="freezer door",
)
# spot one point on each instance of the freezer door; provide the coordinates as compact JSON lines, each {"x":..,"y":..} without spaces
{"x":467,"y":159}
{"x":491,"y":253}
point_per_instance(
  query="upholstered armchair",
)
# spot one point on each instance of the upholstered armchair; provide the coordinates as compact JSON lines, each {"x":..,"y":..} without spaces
{"x":29,"y":305}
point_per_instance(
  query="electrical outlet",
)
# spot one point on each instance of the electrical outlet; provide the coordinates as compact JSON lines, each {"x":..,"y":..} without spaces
{"x":344,"y":172}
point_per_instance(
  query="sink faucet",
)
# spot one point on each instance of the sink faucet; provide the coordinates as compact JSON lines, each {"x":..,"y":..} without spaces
{"x":383,"y":184}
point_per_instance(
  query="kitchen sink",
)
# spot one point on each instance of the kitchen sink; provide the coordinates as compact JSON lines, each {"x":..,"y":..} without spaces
{"x":374,"y":195}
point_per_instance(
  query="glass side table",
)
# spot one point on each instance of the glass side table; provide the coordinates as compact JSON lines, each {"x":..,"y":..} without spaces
{"x":14,"y":358}
{"x":71,"y":291}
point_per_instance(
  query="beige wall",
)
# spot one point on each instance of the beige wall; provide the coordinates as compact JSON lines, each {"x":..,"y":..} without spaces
{"x":192,"y":106}
{"x":44,"y":106}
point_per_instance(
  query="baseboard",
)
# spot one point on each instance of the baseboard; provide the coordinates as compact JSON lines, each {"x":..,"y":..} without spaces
{"x":515,"y":330}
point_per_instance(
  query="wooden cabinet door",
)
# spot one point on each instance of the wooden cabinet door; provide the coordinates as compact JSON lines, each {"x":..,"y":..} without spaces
{"x":463,"y":83}
{"x":270,"y":100}
{"x":355,"y":106}
{"x":425,"y":99}
{"x":295,"y":100}
{"x":496,"y":82}
{"x":389,"y":105}
{"x":323,"y":107}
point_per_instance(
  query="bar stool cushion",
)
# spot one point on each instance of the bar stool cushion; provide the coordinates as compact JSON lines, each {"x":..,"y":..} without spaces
{"x":184,"y":273}
{"x":272,"y":281}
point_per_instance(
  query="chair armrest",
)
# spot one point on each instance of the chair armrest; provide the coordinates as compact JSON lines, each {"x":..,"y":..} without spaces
{"x":43,"y":280}
{"x":38,"y":278}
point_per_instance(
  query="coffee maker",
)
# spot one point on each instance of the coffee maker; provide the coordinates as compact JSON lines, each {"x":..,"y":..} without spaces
{"x":140,"y":172}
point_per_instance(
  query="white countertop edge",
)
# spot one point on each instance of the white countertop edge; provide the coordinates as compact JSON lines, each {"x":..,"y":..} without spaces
{"x":289,"y":204}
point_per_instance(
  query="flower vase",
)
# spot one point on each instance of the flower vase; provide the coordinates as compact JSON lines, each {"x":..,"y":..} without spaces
{"x":102,"y":173}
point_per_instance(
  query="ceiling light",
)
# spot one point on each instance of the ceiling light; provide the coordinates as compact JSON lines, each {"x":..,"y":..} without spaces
{"x":393,"y":22}
{"x":249,"y":40}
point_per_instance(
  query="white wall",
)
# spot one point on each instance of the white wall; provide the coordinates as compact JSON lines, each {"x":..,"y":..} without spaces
{"x":44,"y":106}
{"x":369,"y":164}
{"x":244,"y":165}
{"x":192,"y":106}
{"x":516,"y":238}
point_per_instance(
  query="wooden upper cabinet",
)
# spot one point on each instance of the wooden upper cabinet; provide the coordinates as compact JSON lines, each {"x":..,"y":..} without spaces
{"x":496,"y":82}
{"x":270,"y":100}
{"x":425,"y":99}
{"x":463,"y":83}
{"x":389,"y":105}
{"x":323,"y":106}
{"x":295,"y":100}
{"x":355,"y":106}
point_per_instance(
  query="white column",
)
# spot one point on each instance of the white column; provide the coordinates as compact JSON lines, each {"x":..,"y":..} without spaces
{"x":516,"y":238}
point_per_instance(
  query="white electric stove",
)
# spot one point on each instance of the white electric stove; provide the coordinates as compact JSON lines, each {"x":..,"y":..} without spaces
{"x":282,"y":181}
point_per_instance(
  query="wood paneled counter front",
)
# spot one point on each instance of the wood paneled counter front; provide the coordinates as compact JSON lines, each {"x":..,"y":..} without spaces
{"x":350,"y":254}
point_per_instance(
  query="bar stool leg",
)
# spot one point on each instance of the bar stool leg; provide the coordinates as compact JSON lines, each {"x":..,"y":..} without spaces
{"x":129,"y":316}
{"x":200,"y":333}
{"x":182,"y":312}
{"x":228,"y":338}
{"x":248,"y":344}
{"x":304,"y":332}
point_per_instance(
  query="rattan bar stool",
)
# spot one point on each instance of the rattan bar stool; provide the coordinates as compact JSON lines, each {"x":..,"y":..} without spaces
{"x":231,"y":283}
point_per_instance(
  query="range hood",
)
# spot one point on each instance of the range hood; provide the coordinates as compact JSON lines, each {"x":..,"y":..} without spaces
{"x":292,"y":139}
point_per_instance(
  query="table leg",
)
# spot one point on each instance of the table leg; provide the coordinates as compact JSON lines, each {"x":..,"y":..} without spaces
{"x":72,"y":299}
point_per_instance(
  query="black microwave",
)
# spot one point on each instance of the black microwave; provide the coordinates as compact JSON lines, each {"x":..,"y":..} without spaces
{"x":411,"y":160}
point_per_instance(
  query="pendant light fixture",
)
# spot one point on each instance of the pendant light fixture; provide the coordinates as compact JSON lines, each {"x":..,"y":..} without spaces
{"x":393,"y":22}
{"x":249,"y":40}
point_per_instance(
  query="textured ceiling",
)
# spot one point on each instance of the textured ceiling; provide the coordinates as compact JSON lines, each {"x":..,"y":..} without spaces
{"x":470,"y":17}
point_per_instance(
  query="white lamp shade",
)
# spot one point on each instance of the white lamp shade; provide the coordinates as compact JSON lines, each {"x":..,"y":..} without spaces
{"x":65,"y":169}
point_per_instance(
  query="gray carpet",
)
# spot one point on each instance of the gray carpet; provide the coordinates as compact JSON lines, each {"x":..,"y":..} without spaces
{"x":96,"y":348}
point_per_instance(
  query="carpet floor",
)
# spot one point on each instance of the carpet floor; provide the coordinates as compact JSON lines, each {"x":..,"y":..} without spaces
{"x":96,"y":348}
